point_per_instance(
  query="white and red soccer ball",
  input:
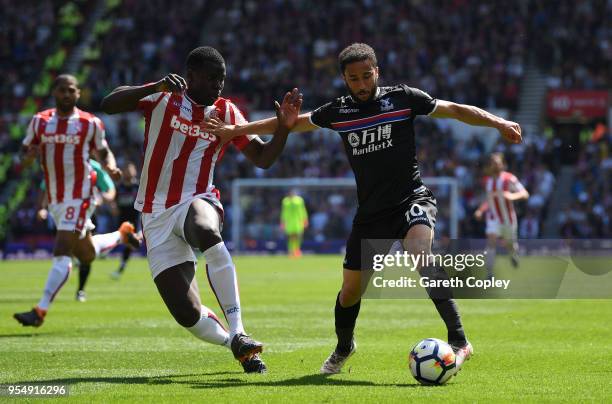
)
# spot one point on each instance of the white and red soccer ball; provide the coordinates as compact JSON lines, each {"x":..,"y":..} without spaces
{"x":432,"y":361}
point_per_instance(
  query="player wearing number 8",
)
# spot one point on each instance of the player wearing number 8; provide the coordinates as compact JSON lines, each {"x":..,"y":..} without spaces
{"x":64,"y":137}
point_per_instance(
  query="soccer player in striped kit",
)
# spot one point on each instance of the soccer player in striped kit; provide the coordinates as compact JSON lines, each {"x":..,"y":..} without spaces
{"x":180,"y":205}
{"x":103,"y":192}
{"x":64,"y":137}
{"x":503,"y":189}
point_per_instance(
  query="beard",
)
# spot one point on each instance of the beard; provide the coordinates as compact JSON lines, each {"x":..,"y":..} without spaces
{"x":65,"y":105}
{"x":370,"y":97}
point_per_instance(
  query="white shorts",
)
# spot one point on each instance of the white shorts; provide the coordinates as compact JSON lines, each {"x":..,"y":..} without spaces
{"x":506,"y":231}
{"x":73,"y":215}
{"x":165,"y":238}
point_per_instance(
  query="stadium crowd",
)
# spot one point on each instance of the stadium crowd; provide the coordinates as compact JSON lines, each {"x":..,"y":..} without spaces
{"x":572,"y":42}
{"x":475,"y":55}
{"x":590,"y":214}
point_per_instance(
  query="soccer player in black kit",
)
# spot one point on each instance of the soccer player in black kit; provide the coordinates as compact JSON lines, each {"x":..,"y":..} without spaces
{"x":376,"y":127}
{"x":127,"y":190}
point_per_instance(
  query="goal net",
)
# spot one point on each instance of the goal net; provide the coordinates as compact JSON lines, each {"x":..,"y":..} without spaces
{"x":253,"y":220}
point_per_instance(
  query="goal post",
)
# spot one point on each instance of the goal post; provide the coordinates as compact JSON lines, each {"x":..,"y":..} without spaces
{"x":249,"y":191}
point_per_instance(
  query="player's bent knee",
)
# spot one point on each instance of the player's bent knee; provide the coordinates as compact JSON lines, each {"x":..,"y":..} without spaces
{"x":186,"y":316}
{"x":205,"y":237}
{"x":87,"y":258}
{"x":349,"y":296}
{"x":202,"y":231}
{"x":85,"y":255}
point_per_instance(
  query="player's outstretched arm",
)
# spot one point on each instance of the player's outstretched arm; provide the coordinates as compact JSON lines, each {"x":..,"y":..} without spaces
{"x":125,"y":98}
{"x":263,"y":155}
{"x":261,"y":127}
{"x":472,"y":115}
{"x":516,"y":196}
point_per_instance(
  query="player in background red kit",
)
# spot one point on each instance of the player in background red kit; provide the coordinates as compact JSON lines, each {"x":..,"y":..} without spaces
{"x":64,"y":137}
{"x":503,"y":188}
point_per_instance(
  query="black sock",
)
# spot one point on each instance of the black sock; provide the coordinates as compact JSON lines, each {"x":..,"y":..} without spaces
{"x":442,"y":298}
{"x":125,"y":255}
{"x":447,"y":308}
{"x":346,"y":317}
{"x":83,"y":275}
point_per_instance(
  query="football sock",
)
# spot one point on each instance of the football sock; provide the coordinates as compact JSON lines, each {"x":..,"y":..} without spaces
{"x":442,"y":298}
{"x":209,"y":329}
{"x":345,"y":319}
{"x":224,"y":283}
{"x":60,"y":270}
{"x":103,"y":243}
{"x":125,"y":256}
{"x":292,"y":245}
{"x":449,"y":312}
{"x":83,"y":275}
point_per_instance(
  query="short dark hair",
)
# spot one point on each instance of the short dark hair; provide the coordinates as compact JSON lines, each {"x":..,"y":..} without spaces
{"x":355,"y":53}
{"x":63,"y":78}
{"x":202,"y":55}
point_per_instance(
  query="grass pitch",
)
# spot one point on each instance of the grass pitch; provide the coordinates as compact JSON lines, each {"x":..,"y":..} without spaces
{"x":123,"y":345}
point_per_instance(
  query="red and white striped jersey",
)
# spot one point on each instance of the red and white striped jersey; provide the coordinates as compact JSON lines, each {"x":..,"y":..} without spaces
{"x":179,"y":156}
{"x":64,"y":144}
{"x":499,"y":208}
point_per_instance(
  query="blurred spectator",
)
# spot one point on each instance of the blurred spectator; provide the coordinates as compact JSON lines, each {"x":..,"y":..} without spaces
{"x":529,"y":226}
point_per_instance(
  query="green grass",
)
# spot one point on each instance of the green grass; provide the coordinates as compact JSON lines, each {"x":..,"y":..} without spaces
{"x":122,"y":344}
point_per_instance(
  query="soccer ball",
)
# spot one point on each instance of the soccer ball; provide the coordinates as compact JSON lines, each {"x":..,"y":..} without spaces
{"x":432,"y":361}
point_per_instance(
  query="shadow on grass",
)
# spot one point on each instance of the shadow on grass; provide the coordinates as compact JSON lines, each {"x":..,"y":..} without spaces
{"x":306,"y":380}
{"x":33,"y":334}
{"x":144,"y":380}
{"x":237,"y":380}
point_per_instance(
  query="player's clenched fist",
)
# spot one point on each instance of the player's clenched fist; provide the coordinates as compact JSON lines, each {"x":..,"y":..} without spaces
{"x":172,"y":83}
{"x":511,"y":131}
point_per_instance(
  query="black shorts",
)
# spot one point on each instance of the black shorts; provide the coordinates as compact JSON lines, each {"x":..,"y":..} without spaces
{"x":420,"y":208}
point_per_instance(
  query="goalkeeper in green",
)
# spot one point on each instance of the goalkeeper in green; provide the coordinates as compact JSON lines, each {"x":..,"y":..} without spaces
{"x":294,"y":219}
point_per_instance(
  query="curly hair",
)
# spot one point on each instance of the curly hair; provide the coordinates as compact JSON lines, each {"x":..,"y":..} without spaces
{"x":356,"y":53}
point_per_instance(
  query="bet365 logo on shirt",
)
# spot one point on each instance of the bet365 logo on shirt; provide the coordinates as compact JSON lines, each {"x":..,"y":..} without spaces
{"x":371,"y":139}
{"x":186,"y":128}
{"x":60,"y":138}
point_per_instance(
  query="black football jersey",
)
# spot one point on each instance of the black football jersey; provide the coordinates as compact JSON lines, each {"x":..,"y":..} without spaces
{"x":126,"y":194}
{"x":378,"y":138}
